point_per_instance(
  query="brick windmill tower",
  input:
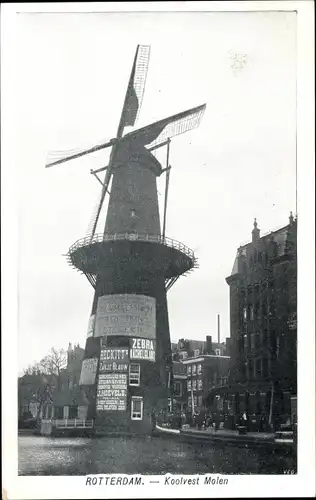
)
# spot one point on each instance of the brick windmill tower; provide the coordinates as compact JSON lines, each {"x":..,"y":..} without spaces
{"x":127,"y":368}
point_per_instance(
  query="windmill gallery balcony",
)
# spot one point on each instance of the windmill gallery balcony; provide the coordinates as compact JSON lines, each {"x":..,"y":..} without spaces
{"x":168,"y":256}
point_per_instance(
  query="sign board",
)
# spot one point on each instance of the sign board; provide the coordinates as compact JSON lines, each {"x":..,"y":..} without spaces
{"x":129,"y":314}
{"x":112,"y":392}
{"x":88,"y":371}
{"x":113,"y":360}
{"x":91,"y":326}
{"x":143,"y":349}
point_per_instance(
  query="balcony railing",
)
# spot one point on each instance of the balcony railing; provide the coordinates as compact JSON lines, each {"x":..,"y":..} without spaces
{"x":144,"y":237}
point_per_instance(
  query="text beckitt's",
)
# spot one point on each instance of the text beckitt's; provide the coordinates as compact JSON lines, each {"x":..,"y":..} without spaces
{"x":114,"y":354}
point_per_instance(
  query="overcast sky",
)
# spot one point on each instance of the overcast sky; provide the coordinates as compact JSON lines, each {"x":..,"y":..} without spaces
{"x":72,"y":74}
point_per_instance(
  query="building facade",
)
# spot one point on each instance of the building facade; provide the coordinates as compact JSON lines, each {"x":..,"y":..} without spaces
{"x":68,"y":400}
{"x":59,"y":396}
{"x":204,"y":373}
{"x":263,"y":321}
{"x":179,"y":393}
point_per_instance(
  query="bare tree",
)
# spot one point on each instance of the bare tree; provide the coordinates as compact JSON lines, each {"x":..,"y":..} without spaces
{"x":53,"y":364}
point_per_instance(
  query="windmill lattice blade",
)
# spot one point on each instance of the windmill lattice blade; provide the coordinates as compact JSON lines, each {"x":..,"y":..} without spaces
{"x":136,"y":86}
{"x":158,"y":132}
{"x":56,"y":157}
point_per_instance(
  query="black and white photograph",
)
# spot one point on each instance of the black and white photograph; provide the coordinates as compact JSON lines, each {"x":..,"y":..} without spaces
{"x":158,"y":236}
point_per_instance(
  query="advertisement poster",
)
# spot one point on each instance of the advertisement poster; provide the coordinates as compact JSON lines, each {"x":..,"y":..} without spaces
{"x":91,"y":326}
{"x":130,"y":315}
{"x":112,"y":392}
{"x":113,"y":360}
{"x":88,"y":371}
{"x":143,"y":349}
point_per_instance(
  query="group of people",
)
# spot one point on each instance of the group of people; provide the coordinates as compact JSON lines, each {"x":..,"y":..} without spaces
{"x":206,"y":418}
{"x":201,"y":419}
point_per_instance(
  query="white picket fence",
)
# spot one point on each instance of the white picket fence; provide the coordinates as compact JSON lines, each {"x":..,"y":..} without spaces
{"x":72,"y":423}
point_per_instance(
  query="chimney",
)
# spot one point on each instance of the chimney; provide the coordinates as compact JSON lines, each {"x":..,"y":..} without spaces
{"x":208,"y":344}
{"x":218,"y":329}
{"x":255,"y":232}
{"x":291,"y":218}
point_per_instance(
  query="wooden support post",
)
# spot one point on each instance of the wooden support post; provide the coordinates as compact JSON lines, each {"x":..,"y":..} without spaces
{"x":166,"y":190}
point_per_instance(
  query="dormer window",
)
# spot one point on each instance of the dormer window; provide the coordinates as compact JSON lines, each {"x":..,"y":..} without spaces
{"x":196,"y":352}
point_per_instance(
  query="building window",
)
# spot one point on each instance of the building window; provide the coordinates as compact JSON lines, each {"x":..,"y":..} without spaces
{"x":189,"y":369}
{"x":199,"y":369}
{"x":134,"y":374}
{"x":217,"y":352}
{"x":137,"y":408}
{"x":194,"y":385}
{"x":184,"y":355}
{"x":245,"y":341}
{"x":200,"y":385}
{"x":169,"y":405}
{"x":200,"y":400}
{"x":189,"y":385}
{"x":193,"y":369}
{"x":59,"y":412}
{"x":195,"y":400}
{"x":196,"y":352}
{"x":73,"y":411}
{"x":245,"y":313}
{"x":251,"y":313}
{"x":178,"y":389}
{"x":257,"y":310}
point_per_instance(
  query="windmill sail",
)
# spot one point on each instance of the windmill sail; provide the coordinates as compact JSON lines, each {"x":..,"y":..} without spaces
{"x":131,"y":108}
{"x":158,"y":132}
{"x":56,"y":157}
{"x":136,"y":86}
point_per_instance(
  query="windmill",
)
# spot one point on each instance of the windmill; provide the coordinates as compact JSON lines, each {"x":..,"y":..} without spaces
{"x":131,"y":264}
{"x":153,"y":136}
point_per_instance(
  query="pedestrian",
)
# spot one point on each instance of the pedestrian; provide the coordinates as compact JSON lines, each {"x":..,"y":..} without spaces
{"x":245,"y":420}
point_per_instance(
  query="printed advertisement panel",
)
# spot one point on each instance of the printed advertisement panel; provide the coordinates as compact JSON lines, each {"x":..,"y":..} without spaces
{"x":88,"y":371}
{"x":113,"y":360}
{"x":91,"y":326}
{"x":112,"y":392}
{"x":131,"y":315}
{"x":143,"y":349}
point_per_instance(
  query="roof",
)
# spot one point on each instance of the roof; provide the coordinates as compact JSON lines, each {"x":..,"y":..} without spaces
{"x":279,"y":237}
{"x":68,"y":397}
{"x":204,"y":357}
